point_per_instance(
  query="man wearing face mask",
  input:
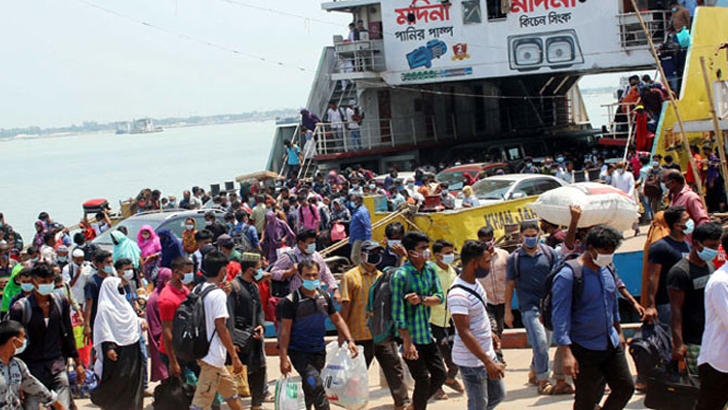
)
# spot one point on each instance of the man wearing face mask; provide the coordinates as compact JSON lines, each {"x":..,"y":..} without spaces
{"x":494,"y":284}
{"x":6,"y":264}
{"x":661,"y":257}
{"x":214,"y":226}
{"x":170,"y":298}
{"x":285,"y":269}
{"x":246,"y":320}
{"x":355,"y":287}
{"x":62,"y":256}
{"x":474,"y":347}
{"x":526,"y":272}
{"x":446,"y":198}
{"x":586,"y":325}
{"x":360,"y":227}
{"x":16,"y":382}
{"x":440,"y":324}
{"x":682,"y":195}
{"x":394,"y":254}
{"x":415,"y":289}
{"x":47,"y":319}
{"x":686,"y":282}
{"x":101,"y":269}
{"x":302,"y":329}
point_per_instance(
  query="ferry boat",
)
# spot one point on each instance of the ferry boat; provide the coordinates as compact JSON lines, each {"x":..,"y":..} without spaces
{"x":439,"y":80}
{"x":142,"y":126}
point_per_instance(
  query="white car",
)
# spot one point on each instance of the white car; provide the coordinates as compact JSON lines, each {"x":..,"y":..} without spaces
{"x":501,"y":188}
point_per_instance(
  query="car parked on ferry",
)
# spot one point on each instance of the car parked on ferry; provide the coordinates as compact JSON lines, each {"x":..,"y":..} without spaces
{"x":454,"y":175}
{"x":501,"y":188}
{"x":172,"y":219}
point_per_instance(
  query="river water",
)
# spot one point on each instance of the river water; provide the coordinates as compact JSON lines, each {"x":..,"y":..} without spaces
{"x":58,"y":174}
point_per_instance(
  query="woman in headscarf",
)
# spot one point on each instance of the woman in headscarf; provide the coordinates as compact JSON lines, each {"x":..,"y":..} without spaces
{"x":276,"y":234}
{"x":171,"y":247}
{"x":189,"y":243}
{"x":125,"y":248}
{"x":468,"y":179}
{"x":151,"y":248}
{"x":154,"y":330}
{"x":117,"y":334}
{"x":14,"y":287}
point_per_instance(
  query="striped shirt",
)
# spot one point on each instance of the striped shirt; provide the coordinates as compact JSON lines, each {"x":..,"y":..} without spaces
{"x":416,"y":319}
{"x":354,"y":286}
{"x":462,"y":302}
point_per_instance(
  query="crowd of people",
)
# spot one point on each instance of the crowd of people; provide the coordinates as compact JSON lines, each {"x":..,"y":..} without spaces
{"x":113,"y":310}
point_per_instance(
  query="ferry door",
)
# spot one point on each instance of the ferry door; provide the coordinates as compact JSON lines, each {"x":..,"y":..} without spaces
{"x":384,"y":103}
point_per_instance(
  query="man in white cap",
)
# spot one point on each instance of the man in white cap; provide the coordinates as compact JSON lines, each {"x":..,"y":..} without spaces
{"x":75,"y":274}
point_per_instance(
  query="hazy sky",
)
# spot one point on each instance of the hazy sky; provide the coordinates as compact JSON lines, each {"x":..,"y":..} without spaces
{"x":65,"y":61}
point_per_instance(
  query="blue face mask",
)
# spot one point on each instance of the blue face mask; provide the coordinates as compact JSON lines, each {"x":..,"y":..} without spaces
{"x":311,"y":248}
{"x":189,"y":277}
{"x":258,"y":274}
{"x":311,"y":284}
{"x":689,"y":226}
{"x":707,"y":254}
{"x":109,"y":269}
{"x":655,"y":164}
{"x":62,"y":258}
{"x":559,"y":159}
{"x":27,"y":287}
{"x":372,"y":187}
{"x":674,"y":9}
{"x":229,"y":224}
{"x":46,"y":289}
{"x":34,"y":260}
{"x":530,"y":242}
{"x":352,"y":204}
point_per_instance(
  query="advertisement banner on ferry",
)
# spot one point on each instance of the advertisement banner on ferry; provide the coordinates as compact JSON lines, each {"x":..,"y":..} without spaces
{"x":434,"y":40}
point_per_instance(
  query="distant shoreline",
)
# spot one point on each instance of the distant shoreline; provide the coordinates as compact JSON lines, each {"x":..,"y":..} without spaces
{"x":26,"y":137}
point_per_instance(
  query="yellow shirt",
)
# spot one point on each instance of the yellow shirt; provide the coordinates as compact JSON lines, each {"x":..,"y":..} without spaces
{"x":438,"y":315}
{"x":355,"y":285}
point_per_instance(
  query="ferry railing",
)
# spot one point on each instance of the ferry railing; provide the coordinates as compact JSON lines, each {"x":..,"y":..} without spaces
{"x":622,"y":128}
{"x":336,"y":138}
{"x":359,"y":56}
{"x":632,"y":36}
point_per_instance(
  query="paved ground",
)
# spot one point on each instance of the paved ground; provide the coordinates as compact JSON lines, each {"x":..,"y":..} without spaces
{"x":519,"y":394}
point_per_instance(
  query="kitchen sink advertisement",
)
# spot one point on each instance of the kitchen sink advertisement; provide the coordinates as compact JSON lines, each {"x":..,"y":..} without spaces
{"x":436,"y":41}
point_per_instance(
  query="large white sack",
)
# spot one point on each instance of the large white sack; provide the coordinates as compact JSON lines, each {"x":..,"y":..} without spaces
{"x":600,"y":204}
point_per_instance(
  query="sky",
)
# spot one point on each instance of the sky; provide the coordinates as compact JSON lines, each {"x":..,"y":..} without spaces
{"x":69,"y":61}
{"x":65,"y":61}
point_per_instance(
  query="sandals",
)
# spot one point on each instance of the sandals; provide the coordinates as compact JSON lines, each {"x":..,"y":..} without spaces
{"x":455,"y":385}
{"x":564,"y":388}
{"x":546,"y":389}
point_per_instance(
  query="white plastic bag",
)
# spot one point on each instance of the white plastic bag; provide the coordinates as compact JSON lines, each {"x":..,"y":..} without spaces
{"x":289,"y":394}
{"x":600,"y":204}
{"x":346,"y":380}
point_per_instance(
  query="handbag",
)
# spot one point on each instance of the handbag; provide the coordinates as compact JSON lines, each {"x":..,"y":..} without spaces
{"x":672,"y":390}
{"x":338,"y":232}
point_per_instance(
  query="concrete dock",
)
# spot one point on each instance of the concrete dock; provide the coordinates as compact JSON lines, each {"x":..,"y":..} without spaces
{"x":519,"y":394}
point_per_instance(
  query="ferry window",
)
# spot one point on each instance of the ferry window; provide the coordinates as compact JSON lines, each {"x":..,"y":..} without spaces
{"x":495,"y":9}
{"x":471,"y":12}
{"x":514,"y":153}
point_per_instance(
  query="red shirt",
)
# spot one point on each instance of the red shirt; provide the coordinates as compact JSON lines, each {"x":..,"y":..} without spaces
{"x":169,"y":300}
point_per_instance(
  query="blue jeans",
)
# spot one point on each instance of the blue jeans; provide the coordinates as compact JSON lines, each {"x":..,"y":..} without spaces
{"x":540,"y":340}
{"x":664,"y":313}
{"x":483,"y":393}
{"x":355,"y":139}
{"x":646,"y":204}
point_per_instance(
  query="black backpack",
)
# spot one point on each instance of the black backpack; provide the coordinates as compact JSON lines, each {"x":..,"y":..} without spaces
{"x":546,"y":304}
{"x":651,"y":348}
{"x":173,"y":394}
{"x":379,"y":306}
{"x":189,"y":330}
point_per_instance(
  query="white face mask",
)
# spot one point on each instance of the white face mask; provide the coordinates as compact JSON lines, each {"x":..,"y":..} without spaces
{"x":448,"y":258}
{"x":129,"y":274}
{"x":603,"y":260}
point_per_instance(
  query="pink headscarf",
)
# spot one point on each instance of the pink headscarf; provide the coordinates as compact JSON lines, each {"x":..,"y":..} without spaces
{"x":148,"y":246}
